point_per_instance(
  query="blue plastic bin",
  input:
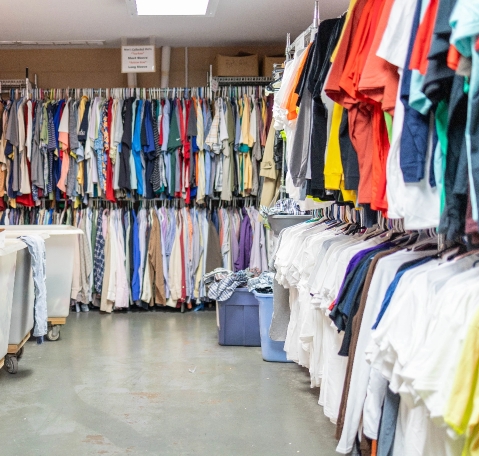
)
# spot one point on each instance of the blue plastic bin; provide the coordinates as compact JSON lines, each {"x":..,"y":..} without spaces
{"x":239,"y":320}
{"x":272,"y":350}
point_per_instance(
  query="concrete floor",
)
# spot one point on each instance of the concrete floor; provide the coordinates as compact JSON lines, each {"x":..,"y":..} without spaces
{"x":156,"y":384}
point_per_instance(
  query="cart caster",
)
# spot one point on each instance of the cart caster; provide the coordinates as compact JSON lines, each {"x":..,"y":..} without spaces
{"x":53,"y":333}
{"x":19,"y":355}
{"x":11,"y":364}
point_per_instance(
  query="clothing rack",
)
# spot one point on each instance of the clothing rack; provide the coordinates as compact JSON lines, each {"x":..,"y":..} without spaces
{"x":146,"y":93}
{"x":120,"y":194}
{"x":242,"y":81}
{"x":121,"y":92}
{"x":214,"y":83}
{"x":299,"y":43}
{"x":10,"y":84}
{"x":304,"y":38}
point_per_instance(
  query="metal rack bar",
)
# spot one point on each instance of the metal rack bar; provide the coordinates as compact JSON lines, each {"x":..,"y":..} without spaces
{"x":254,"y":80}
{"x":13,"y":83}
{"x":306,"y":37}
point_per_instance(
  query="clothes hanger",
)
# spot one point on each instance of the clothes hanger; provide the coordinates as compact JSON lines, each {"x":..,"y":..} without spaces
{"x":424,"y":242}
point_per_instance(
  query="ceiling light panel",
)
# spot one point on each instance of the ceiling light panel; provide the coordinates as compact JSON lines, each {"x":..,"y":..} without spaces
{"x":172,"y":7}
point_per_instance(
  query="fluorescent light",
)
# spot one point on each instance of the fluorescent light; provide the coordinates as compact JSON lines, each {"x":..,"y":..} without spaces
{"x":54,"y":43}
{"x":172,"y":7}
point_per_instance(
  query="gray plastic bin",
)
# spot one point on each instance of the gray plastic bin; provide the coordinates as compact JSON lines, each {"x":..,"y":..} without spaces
{"x":271,"y":350}
{"x":239,"y":320}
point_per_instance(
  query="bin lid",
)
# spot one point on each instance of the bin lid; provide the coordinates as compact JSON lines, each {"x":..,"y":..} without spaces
{"x":52,"y":230}
{"x":16,"y":234}
{"x":12,"y":246}
{"x":279,"y":222}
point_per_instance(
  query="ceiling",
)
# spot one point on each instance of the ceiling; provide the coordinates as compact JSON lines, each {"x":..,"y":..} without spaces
{"x":236,"y":22}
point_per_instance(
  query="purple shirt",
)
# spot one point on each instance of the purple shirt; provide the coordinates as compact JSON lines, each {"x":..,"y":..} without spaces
{"x":356,"y":259}
{"x":245,"y":243}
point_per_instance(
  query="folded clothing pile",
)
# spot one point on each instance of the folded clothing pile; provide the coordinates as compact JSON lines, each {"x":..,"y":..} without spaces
{"x":262,"y":283}
{"x":222,"y":289}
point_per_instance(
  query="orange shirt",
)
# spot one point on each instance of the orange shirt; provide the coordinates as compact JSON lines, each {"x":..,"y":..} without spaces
{"x":380,"y":79}
{"x":293,"y":97}
{"x":332,"y":88}
{"x":422,"y":45}
{"x":352,"y":4}
{"x":359,"y":51}
{"x":453,"y":58}
{"x":361,"y":114}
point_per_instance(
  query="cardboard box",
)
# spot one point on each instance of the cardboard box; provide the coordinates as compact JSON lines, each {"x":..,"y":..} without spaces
{"x":239,"y":66}
{"x":268,"y":64}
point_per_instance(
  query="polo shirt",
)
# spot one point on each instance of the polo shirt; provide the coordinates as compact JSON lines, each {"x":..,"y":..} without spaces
{"x":384,"y":274}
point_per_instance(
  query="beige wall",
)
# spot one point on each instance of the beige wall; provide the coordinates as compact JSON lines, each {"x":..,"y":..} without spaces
{"x":61,"y":68}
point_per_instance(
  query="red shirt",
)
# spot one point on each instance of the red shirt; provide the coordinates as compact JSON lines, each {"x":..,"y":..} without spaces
{"x":422,"y":45}
{"x":110,"y":193}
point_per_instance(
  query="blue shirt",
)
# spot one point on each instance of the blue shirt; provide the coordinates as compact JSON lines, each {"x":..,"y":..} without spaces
{"x":135,"y":282}
{"x":137,"y":148}
{"x":149,"y":146}
{"x":392,"y":287}
{"x":415,"y":134}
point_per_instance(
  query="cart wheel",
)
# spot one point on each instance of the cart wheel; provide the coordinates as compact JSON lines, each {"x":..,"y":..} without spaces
{"x":20,"y":353}
{"x":11,"y":364}
{"x":53,"y":333}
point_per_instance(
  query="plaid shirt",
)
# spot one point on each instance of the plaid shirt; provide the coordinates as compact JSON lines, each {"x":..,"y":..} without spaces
{"x":99,"y":258}
{"x":286,"y":206}
{"x":221,"y":291}
{"x":263,"y":283}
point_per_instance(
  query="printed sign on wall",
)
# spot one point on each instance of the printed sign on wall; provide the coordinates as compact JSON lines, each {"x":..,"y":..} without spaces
{"x":138,"y":59}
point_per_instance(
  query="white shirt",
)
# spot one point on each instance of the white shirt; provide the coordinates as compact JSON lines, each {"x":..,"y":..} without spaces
{"x":384,"y":274}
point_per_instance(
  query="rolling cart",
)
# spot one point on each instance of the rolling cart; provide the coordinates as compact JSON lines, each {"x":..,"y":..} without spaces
{"x":8,"y":263}
{"x":22,"y":319}
{"x":60,"y":247}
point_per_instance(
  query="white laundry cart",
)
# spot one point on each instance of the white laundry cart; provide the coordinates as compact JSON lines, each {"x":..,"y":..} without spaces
{"x":22,"y":320}
{"x":8,"y":262}
{"x":60,"y":249}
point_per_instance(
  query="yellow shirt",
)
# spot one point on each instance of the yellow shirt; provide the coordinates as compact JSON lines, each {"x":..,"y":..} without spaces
{"x":81,"y":110}
{"x":333,"y":167}
{"x":245,"y":122}
{"x":462,"y":410}
{"x":248,"y":173}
